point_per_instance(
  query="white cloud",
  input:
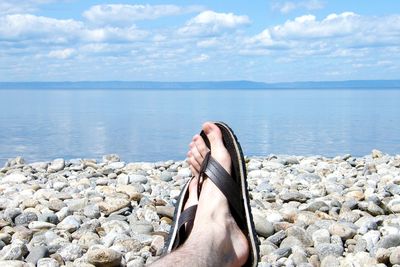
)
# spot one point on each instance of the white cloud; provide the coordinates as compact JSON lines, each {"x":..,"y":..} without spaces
{"x":210,"y":23}
{"x":62,"y":54}
{"x":347,"y":30}
{"x":201,"y":58}
{"x":25,"y":26}
{"x":289,"y":6}
{"x":20,"y":27}
{"x":211,"y":42}
{"x":119,"y":14}
{"x":21,"y":6}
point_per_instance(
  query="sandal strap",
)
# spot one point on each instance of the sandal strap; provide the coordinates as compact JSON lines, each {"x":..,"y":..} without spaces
{"x":187,"y":217}
{"x":225,"y":183}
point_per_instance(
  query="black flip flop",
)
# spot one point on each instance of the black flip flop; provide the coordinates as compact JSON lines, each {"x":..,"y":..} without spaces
{"x":234,"y":187}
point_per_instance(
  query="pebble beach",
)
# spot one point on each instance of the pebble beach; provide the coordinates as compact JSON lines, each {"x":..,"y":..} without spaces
{"x":309,"y":211}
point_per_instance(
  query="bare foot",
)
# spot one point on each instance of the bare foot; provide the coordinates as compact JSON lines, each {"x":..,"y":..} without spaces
{"x":213,"y":216}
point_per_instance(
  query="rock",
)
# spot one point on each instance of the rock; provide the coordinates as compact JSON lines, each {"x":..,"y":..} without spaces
{"x":116,"y":165}
{"x":56,"y":165}
{"x":142,"y":228}
{"x":36,"y":225}
{"x":167,"y":176}
{"x":184,"y":172}
{"x":292,"y":196}
{"x":383,"y":255}
{"x":47,"y":262}
{"x":25,"y":218}
{"x":363,"y":259}
{"x":70,"y":252}
{"x":300,"y":234}
{"x":277,"y":237}
{"x":112,"y":204}
{"x":389,"y":241}
{"x":395,"y":256}
{"x":157,"y":245}
{"x":15,"y":251}
{"x":36,"y":254}
{"x":263,"y":226}
{"x":137,"y":178}
{"x":324,"y":250}
{"x":104,"y":257}
{"x":111,"y":158}
{"x":376,"y":154}
{"x":321,"y":236}
{"x":330,"y":261}
{"x":342,"y":230}
{"x":14,"y":178}
{"x":92,"y":211}
{"x":291,"y":242}
{"x":70,"y":224}
{"x":165,"y":211}
{"x":13,"y":263}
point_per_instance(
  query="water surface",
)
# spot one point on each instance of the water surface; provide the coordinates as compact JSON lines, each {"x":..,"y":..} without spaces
{"x":153,"y":125}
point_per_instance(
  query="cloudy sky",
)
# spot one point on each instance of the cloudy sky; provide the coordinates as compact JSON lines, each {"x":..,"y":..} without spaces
{"x":260,"y":40}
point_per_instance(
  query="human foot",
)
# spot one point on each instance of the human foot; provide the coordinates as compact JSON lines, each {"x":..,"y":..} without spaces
{"x":214,"y":217}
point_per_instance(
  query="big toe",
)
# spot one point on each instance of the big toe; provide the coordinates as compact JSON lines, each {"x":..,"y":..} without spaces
{"x":213,"y":134}
{"x":218,"y":150}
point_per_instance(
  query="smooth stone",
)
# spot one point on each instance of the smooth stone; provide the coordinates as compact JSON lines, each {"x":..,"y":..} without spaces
{"x":324,"y":250}
{"x":300,"y":234}
{"x":167,"y":176}
{"x":142,"y":228}
{"x":70,"y":252}
{"x":56,"y":165}
{"x":14,"y":178}
{"x":92,"y":211}
{"x":363,"y":259}
{"x":76,"y":204}
{"x":165,"y":211}
{"x":263,"y":226}
{"x":111,"y":158}
{"x":112,"y":204}
{"x":25,"y":218}
{"x":36,"y":254}
{"x":37,"y":225}
{"x":321,"y":236}
{"x":395,"y":256}
{"x":342,"y":230}
{"x":116,"y":165}
{"x":70,"y":224}
{"x":56,"y":204}
{"x":104,"y":257}
{"x":157,"y":245}
{"x":277,"y":237}
{"x":330,"y":261}
{"x":137,"y":178}
{"x":290,"y":242}
{"x":184,"y":172}
{"x":15,"y":251}
{"x":13,"y":263}
{"x":123,"y":179}
{"x":292,"y":196}
{"x":389,"y":241}
{"x":382,"y":255}
{"x":299,"y":256}
{"x":47,"y":262}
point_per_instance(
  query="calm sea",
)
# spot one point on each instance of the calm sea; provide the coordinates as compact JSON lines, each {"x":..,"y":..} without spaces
{"x":153,"y":125}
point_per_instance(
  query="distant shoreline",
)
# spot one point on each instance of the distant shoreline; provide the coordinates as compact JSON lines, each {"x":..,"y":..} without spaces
{"x":220,"y":85}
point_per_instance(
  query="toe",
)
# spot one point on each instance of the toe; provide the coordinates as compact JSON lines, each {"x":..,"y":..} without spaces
{"x":213,"y":133}
{"x":201,"y":147}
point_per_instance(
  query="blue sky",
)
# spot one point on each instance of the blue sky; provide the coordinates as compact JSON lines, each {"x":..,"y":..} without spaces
{"x":270,"y":41}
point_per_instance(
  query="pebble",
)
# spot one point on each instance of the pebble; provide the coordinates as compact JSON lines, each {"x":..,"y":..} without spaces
{"x":308,"y":211}
{"x":104,"y":257}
